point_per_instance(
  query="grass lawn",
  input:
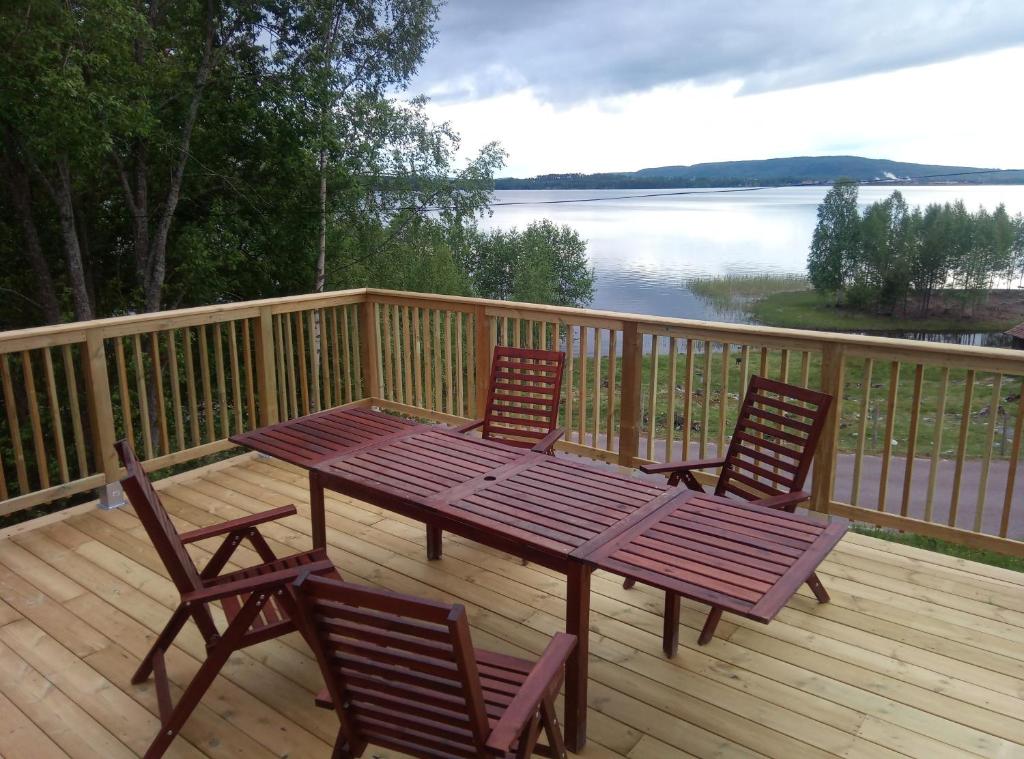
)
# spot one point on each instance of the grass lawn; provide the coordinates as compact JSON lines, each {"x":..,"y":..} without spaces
{"x":810,"y":310}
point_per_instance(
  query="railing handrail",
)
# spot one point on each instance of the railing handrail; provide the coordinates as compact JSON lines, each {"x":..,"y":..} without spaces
{"x":71,"y":332}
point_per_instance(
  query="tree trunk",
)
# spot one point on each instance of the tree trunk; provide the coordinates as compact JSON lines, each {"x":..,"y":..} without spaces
{"x":321,"y":258}
{"x":62,"y":196}
{"x":21,"y":197}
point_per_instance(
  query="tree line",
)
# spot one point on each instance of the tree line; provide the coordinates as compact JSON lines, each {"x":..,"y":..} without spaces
{"x":894,"y":256}
{"x":158,"y":155}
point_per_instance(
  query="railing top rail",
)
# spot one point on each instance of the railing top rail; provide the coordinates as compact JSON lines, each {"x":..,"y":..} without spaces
{"x":901,"y":348}
{"x":74,"y":332}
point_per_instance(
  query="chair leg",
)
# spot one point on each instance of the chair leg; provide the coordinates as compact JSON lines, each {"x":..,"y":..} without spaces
{"x":628,"y":583}
{"x":189,"y":700}
{"x":162,"y":643}
{"x":341,"y":750}
{"x":528,"y":740}
{"x":670,"y":636}
{"x":552,"y":730}
{"x":817,"y":588}
{"x":709,"y":626}
{"x":433,"y":542}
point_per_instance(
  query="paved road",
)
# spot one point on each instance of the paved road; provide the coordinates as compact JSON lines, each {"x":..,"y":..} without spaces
{"x":871,"y":468}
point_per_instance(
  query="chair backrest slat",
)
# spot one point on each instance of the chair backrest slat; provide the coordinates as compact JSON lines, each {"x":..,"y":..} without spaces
{"x":157,"y":523}
{"x":774,"y":440}
{"x":523,"y":395}
{"x":401,"y":670}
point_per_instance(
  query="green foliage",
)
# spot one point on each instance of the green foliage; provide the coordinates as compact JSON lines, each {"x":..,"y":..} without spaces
{"x":545,"y":263}
{"x":881,"y":259}
{"x":836,"y":238}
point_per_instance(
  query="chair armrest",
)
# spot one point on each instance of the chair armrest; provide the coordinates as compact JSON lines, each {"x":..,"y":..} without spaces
{"x":241,"y":523}
{"x":269,"y":581}
{"x":681,"y":466}
{"x":468,"y":426}
{"x":548,"y":441}
{"x":545,"y":674}
{"x":787,"y":501}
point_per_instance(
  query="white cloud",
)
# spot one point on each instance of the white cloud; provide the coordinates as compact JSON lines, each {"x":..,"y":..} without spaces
{"x":963,"y":112}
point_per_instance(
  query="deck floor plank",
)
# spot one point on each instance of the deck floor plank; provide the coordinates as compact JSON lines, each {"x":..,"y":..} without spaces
{"x":918,"y":655}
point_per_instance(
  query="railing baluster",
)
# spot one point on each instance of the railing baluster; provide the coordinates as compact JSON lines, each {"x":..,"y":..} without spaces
{"x":862,"y":431}
{"x":236,"y":378}
{"x":581,"y":421}
{"x":609,"y":428}
{"x":190,"y":388}
{"x":407,"y":392}
{"x":986,"y":458}
{"x":965,"y":430}
{"x":76,"y":412}
{"x":222,"y":388}
{"x":417,"y":356}
{"x":705,"y":414}
{"x":629,"y":419}
{"x":172,"y":365}
{"x":439,"y":384}
{"x":140,"y":382}
{"x":890,"y":422}
{"x":347,"y":352}
{"x":596,"y":410}
{"x":570,"y":361}
{"x":450,"y":391}
{"x":460,"y":401}
{"x":670,"y":412}
{"x":723,"y":399}
{"x":940,"y":415}
{"x":42,"y":462}
{"x":122,"y":386}
{"x":652,"y":396}
{"x":55,"y":416}
{"x":300,"y":350}
{"x":289,"y":348}
{"x":688,"y":400}
{"x":915,"y":415}
{"x":250,"y":390}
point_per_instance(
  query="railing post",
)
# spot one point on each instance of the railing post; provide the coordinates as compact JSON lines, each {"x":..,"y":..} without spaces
{"x":368,"y":349}
{"x":101,"y":420}
{"x":629,"y":405}
{"x":266,"y":376}
{"x":824,"y":468}
{"x":483,"y":358}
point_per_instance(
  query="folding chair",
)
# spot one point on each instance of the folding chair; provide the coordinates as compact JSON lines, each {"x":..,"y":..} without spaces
{"x":402,"y":674}
{"x":767,"y":462}
{"x":522,"y":407}
{"x":253,"y":600}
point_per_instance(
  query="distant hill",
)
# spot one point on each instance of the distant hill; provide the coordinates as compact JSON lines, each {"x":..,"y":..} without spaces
{"x":797,"y":170}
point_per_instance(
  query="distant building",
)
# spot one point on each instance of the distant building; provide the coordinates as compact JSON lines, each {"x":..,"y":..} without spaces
{"x":1017,"y":333}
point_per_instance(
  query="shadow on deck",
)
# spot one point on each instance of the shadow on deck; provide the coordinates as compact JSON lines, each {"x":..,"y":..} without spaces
{"x":917,"y":655}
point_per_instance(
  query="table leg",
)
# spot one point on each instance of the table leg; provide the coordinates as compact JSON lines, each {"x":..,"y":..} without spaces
{"x":577,"y":622}
{"x":316,"y":511}
{"x":433,"y":542}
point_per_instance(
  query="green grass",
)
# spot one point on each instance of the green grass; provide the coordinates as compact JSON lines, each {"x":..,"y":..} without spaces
{"x":705,"y":412}
{"x":811,"y":310}
{"x":737,"y":292}
{"x":942,"y":546}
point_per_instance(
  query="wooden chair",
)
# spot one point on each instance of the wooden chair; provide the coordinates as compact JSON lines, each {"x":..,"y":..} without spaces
{"x":767,"y":463}
{"x":253,"y":600}
{"x":522,"y":407}
{"x":402,"y":673}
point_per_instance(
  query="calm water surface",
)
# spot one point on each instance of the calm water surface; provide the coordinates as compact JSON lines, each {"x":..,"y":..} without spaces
{"x":644,"y":249}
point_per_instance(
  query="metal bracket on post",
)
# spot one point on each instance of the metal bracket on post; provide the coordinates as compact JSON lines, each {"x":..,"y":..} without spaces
{"x":111,"y":496}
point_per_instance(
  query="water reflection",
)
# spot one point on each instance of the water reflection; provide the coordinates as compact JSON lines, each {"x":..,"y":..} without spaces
{"x":644,"y":250}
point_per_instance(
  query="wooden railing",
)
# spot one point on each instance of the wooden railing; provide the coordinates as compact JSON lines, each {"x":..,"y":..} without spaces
{"x":924,"y":437}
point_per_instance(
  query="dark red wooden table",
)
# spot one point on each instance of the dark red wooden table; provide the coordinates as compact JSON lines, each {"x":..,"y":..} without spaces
{"x":732,"y":555}
{"x":566,"y":516}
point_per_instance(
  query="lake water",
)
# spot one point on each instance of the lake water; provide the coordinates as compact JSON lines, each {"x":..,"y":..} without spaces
{"x":645,"y":248}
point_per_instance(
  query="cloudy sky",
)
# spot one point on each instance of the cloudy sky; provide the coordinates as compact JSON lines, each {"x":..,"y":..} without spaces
{"x":618,"y":85}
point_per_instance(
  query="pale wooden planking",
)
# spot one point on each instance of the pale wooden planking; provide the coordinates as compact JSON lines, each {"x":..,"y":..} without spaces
{"x":882,"y":671}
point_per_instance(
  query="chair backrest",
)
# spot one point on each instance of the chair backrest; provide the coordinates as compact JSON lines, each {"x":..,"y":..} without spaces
{"x":157,"y":523}
{"x":523,"y":395}
{"x":401,"y":670}
{"x":774,"y":440}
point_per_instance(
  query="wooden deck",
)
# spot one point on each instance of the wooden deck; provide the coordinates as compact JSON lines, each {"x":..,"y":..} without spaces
{"x":918,"y":654}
